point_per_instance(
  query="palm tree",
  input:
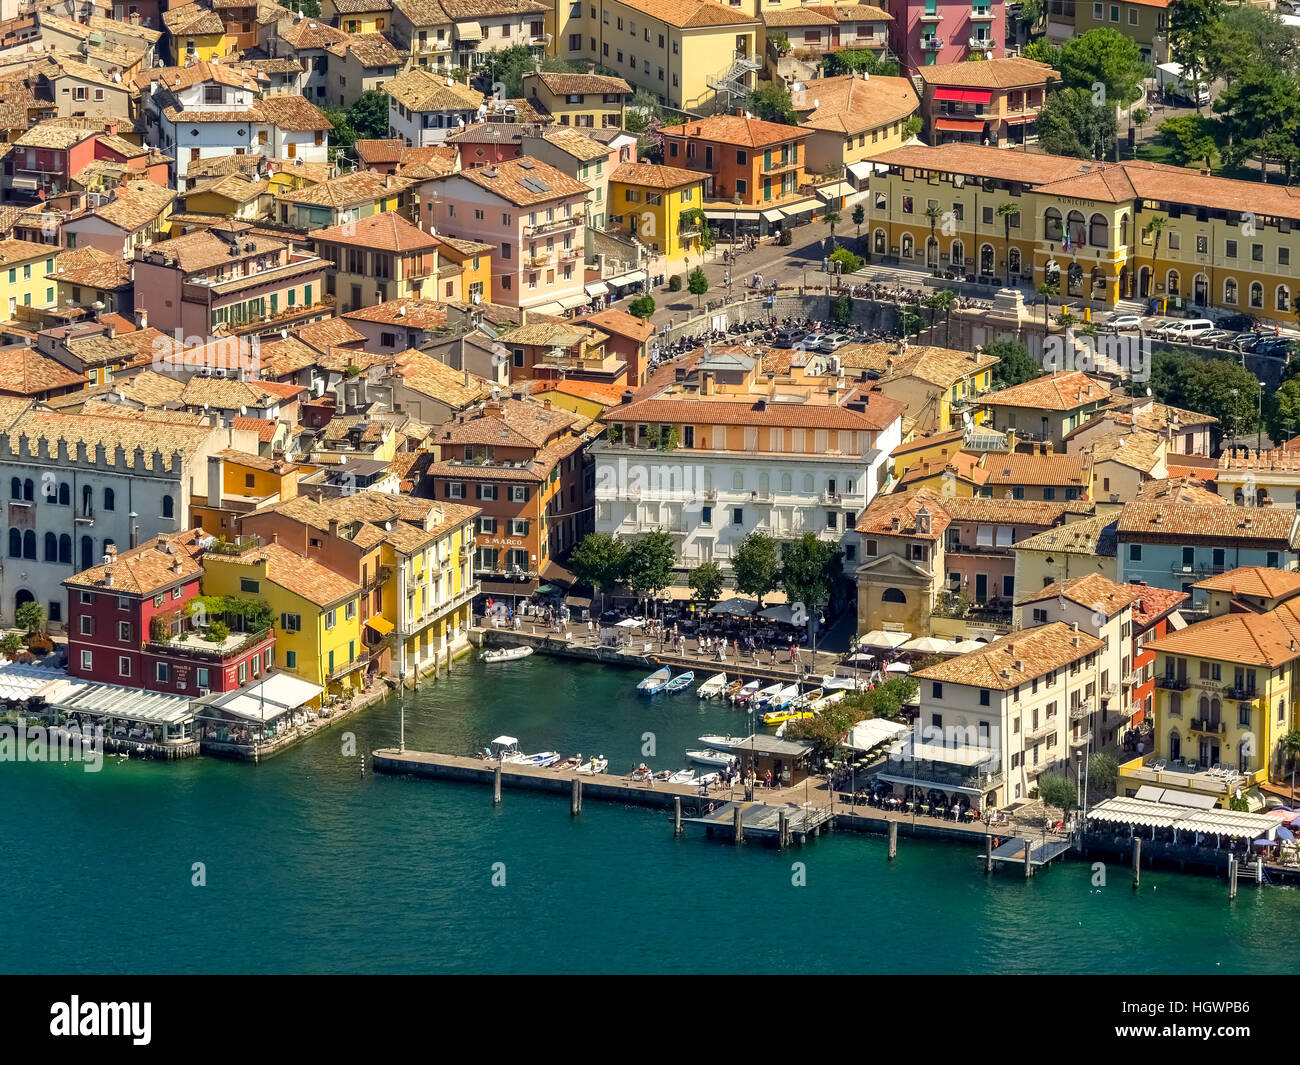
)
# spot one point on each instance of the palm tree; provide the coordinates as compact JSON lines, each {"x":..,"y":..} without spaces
{"x":832,"y":218}
{"x":1006,"y":211}
{"x":947,"y":300}
{"x":1156,"y":226}
{"x":859,"y":216}
{"x":1047,"y":291}
{"x":933,"y":214}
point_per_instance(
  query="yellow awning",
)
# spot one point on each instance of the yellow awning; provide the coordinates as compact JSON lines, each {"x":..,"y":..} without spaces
{"x":380,"y":624}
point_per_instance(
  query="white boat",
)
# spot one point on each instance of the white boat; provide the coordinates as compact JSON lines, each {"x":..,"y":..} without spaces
{"x":680,"y":682}
{"x":722,"y":743}
{"x":597,"y":765}
{"x":785,"y":697}
{"x":806,"y":699}
{"x":506,"y":654}
{"x":656,"y":682}
{"x":682,"y":776}
{"x":764,"y":696}
{"x":746,"y":693}
{"x":713,"y":687}
{"x":503,"y":748}
{"x":705,"y":779}
{"x":717,"y":758}
{"x":831,"y":683}
{"x":827,"y":700}
{"x":542,"y":760}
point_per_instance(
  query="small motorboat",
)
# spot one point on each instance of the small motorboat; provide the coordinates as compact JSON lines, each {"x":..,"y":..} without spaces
{"x":712,"y":687}
{"x":680,"y":682}
{"x":746,"y":693}
{"x":641,"y":774}
{"x":597,"y":765}
{"x":733,"y":689}
{"x":784,"y":698}
{"x":806,"y":699}
{"x":506,"y":654}
{"x":764,"y":696}
{"x":568,"y":763}
{"x":717,"y":758}
{"x":682,"y":776}
{"x":722,"y":743}
{"x":656,"y":682}
{"x":503,"y":749}
{"x":775,"y":717}
{"x":827,"y":700}
{"x":705,"y":779}
{"x":546,"y":758}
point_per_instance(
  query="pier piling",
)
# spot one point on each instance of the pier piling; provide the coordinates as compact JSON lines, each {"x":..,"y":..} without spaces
{"x":1137,"y":861}
{"x":1029,"y":858}
{"x":783,"y":830}
{"x":496,"y":785}
{"x":738,"y":825}
{"x":1232,"y":876}
{"x":575,"y":802}
{"x":677,"y":815}
{"x":893,"y":839}
{"x":988,"y":854}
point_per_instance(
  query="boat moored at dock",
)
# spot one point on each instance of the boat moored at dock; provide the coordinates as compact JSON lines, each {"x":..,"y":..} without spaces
{"x":713,"y":687}
{"x":656,"y":682}
{"x":680,"y":682}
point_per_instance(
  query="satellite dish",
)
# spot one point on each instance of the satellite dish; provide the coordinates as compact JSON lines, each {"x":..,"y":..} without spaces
{"x":1148,"y":391}
{"x":816,"y":103}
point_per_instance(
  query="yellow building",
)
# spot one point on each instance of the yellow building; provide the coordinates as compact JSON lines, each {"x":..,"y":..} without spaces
{"x":358,"y":16}
{"x":662,"y":206}
{"x":243,"y":196}
{"x":850,"y":119}
{"x":343,"y":199}
{"x":935,"y":385}
{"x":315,"y":610}
{"x":671,"y":48}
{"x":247,"y":482}
{"x":197,"y":34}
{"x":584,"y":100}
{"x":464,"y":269}
{"x":376,"y":259}
{"x":25,"y":269}
{"x":924,"y":450}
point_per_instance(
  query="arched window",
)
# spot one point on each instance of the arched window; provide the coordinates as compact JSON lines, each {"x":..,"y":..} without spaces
{"x":110,"y":499}
{"x":1256,"y":294}
{"x":87,"y":501}
{"x":1052,"y":224}
{"x":16,"y":488}
{"x":29,"y":490}
{"x":1239,"y":497}
{"x":908,"y":246}
{"x":87,"y":552}
{"x":51,"y":547}
{"x":1283,"y":298}
{"x":65,"y":549}
{"x":986,"y":259}
{"x":1078,"y":229}
{"x":787,"y":483}
{"x":29,"y":545}
{"x":15,"y":543}
{"x":1230,"y":291}
{"x":1074,"y":279}
{"x":1098,"y":231}
{"x":1013,"y":261}
{"x":1172,"y":281}
{"x":807,"y":484}
{"x":737,"y":485}
{"x":169,"y":507}
{"x":958,"y":255}
{"x":1203,"y":707}
{"x":892,"y":595}
{"x":879,"y":239}
{"x":65,"y":495}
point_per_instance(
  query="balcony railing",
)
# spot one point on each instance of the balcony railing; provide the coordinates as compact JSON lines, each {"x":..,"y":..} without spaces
{"x":1240,"y":692}
{"x":1212,"y":728}
{"x":551,"y":226}
{"x":188,"y":647}
{"x":982,"y":14}
{"x":343,"y":670}
{"x":1173,"y":684}
{"x":931,"y":44}
{"x":1082,"y":739}
{"x":1081,"y":711}
{"x":931,"y":16}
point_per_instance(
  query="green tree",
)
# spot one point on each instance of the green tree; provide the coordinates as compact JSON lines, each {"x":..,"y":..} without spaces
{"x":705,"y":582}
{"x":1156,"y":227}
{"x":1008,"y":212}
{"x":912,"y":127}
{"x":698,"y":284}
{"x":1259,"y":118}
{"x":1043,"y":51}
{"x":306,"y":8}
{"x":1069,"y":123}
{"x":342,"y":135}
{"x":649,"y":565}
{"x":1059,"y":791}
{"x":756,"y":565}
{"x":642,"y":307}
{"x":505,"y":69}
{"x":848,"y":262}
{"x":1047,"y":291}
{"x":1190,"y":138}
{"x":842,"y":310}
{"x":30,"y":617}
{"x":810,"y":569}
{"x":10,"y":644}
{"x":1015,"y":364}
{"x":859,"y":216}
{"x":860,"y":60}
{"x":1107,"y":56}
{"x":1282,"y":414}
{"x":600,"y":561}
{"x":832,"y":218}
{"x":1221,"y":388}
{"x":1102,"y":772}
{"x":368,"y":115}
{"x":1193,"y":36}
{"x":934,"y":213}
{"x":1246,"y":36}
{"x":771,"y":103}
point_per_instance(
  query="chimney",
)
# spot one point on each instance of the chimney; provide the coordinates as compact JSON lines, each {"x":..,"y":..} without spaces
{"x":706,"y":383}
{"x":141,"y":318}
{"x":334,"y":528}
{"x":1074,"y":641}
{"x":215,"y":471}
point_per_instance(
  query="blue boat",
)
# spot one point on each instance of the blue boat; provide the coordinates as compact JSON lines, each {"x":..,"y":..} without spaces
{"x":681,"y":682}
{"x":655,"y":683}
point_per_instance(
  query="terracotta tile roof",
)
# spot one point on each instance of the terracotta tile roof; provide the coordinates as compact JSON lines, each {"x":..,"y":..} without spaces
{"x":133,"y":205}
{"x":524,"y":182}
{"x":595,"y":391}
{"x":426,"y":375}
{"x":826,"y":15}
{"x":52,"y":136}
{"x":128,"y":429}
{"x":204,"y":249}
{"x":1008,"y":72}
{"x":18,"y":251}
{"x":227,"y":393}
{"x":239,"y":188}
{"x":733,"y":129}
{"x":1059,"y":391}
{"x":1244,"y":638}
{"x":964,"y":466}
{"x":1207,"y":522}
{"x":421,"y":90}
{"x":1019,"y":512}
{"x":1097,"y":593}
{"x":1253,"y":580}
{"x":920,"y":443}
{"x":304,"y":577}
{"x":25,"y":371}
{"x":193,"y":20}
{"x":327,"y":333}
{"x":293,"y":113}
{"x":462,"y":249}
{"x":154,"y":566}
{"x":233,"y":75}
{"x":575,"y":143}
{"x":582,"y":84}
{"x":479,"y":9}
{"x":149,"y":388}
{"x":903,"y":507}
{"x":1016,"y":658}
{"x":881,"y":412}
{"x":91,"y":267}
{"x":1137,"y":449}
{"x":386,"y":231}
{"x":978,"y":160}
{"x":370,"y":50}
{"x":412,"y":313}
{"x":361,"y":186}
{"x":1158,"y":416}
{"x":309,"y":33}
{"x":620,"y":323}
{"x":1089,"y":536}
{"x":1153,"y":604}
{"x":651,"y":176}
{"x":263,"y":427}
{"x":850,"y":105}
{"x":513,"y":423}
{"x":690,"y":14}
{"x":560,"y":333}
{"x":1179,"y":490}
{"x":422,"y":12}
{"x":939,"y":366}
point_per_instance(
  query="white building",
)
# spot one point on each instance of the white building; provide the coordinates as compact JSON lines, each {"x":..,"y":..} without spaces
{"x":424,"y":107}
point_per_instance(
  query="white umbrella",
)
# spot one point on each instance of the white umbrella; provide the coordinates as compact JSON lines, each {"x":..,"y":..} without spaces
{"x":737,"y":606}
{"x":888,"y":640}
{"x":629,"y":623}
{"x":860,"y":656}
{"x":927,"y":645}
{"x":965,"y":647}
{"x":898,"y":667}
{"x":781,"y":612}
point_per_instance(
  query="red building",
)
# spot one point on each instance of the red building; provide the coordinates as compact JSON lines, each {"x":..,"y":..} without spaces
{"x":128,"y":624}
{"x":1151,"y":612}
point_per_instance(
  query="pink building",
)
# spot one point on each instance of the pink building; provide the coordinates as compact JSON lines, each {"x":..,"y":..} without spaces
{"x":532,"y":214}
{"x":926,"y":32}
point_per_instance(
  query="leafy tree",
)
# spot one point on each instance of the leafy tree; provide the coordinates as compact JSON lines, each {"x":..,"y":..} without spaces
{"x":1069,"y":123}
{"x":10,"y":644}
{"x":772,"y":103}
{"x":30,"y":617}
{"x":855,"y":60}
{"x":940,"y":301}
{"x":1219,"y":387}
{"x":849,"y":263}
{"x":1246,"y":36}
{"x":1016,"y":365}
{"x":827,"y":730}
{"x":342,"y":135}
{"x":508,"y":67}
{"x":1102,"y":772}
{"x":368,"y":115}
{"x":600,"y":561}
{"x":642,"y":307}
{"x":1259,"y":118}
{"x":698,"y":284}
{"x":1156,"y":227}
{"x":810,"y":568}
{"x":1193,"y":32}
{"x":1043,"y":51}
{"x":842,"y":310}
{"x":649,"y":565}
{"x":1059,"y":791}
{"x":912,"y":127}
{"x":1107,"y":56}
{"x":757,"y":565}
{"x":1282,"y":413}
{"x":705,"y":582}
{"x":832,"y":218}
{"x":306,"y":8}
{"x":859,"y":216}
{"x":1190,"y":138}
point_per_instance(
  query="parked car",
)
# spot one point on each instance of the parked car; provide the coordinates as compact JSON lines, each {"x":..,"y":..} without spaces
{"x":1247,"y":341}
{"x":1159,"y":329}
{"x":1274,"y":347}
{"x":1118,"y":322}
{"x":808,"y":342}
{"x":1238,"y":323}
{"x":832,"y":342}
{"x":1186,"y":329}
{"x":786,"y":338}
{"x":1215,"y":337}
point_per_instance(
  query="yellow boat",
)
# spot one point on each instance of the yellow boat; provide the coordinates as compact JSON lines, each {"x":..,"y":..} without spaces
{"x":777,"y":716}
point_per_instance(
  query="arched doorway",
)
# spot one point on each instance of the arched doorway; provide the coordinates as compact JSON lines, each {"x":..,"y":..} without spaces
{"x":20,"y":597}
{"x":1125,"y":280}
{"x":1144,"y":282}
{"x":1201,"y":290}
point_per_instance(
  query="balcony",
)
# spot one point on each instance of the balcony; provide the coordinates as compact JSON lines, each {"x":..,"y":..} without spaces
{"x":982,"y":14}
{"x":342,"y":671}
{"x":431,"y":47}
{"x":540,"y":228}
{"x":931,"y":16}
{"x":194,"y":644}
{"x":1040,"y":731}
{"x":1209,"y":727}
{"x":540,"y":259}
{"x":1172,"y":684}
{"x":931,"y":44}
{"x":1081,"y":711}
{"x":1082,"y":739}
{"x":1181,"y":774}
{"x":780,"y":164}
{"x":1240,"y":692}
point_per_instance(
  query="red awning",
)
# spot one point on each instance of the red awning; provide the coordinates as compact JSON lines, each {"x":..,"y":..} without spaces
{"x":960,"y":125}
{"x":1020,"y":120}
{"x":965,"y":96}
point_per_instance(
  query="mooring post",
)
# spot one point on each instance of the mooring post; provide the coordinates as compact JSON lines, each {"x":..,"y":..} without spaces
{"x":1232,"y":876}
{"x":738,"y":825}
{"x":496,"y":784}
{"x":575,"y":802}
{"x":893,"y":839}
{"x":677,"y":815}
{"x":988,"y":854}
{"x":782,"y":829}
{"x":1029,"y":858}
{"x":1137,"y":861}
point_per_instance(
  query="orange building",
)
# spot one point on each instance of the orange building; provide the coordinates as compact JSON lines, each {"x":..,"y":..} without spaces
{"x":757,"y":183}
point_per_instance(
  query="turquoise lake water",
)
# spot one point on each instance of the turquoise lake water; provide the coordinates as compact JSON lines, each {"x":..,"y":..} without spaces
{"x":314,"y":866}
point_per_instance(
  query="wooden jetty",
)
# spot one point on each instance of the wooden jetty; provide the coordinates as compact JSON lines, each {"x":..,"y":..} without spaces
{"x":1029,"y":854}
{"x":777,"y":823}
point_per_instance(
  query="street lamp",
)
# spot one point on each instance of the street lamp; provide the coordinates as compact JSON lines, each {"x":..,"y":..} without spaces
{"x":1259,"y":424}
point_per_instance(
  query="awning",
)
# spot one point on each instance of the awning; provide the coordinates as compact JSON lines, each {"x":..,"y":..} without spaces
{"x":862,"y":171}
{"x":380,"y":624}
{"x":469,"y":31}
{"x":965,"y":96}
{"x":772,"y":216}
{"x":625,"y":279}
{"x":866,"y":735}
{"x":840,"y":188}
{"x":553,"y":307}
{"x":927,"y":784}
{"x":960,"y":125}
{"x":720,"y":216}
{"x":25,"y":183}
{"x":884,"y":638}
{"x":597,"y":288}
{"x":1019,"y":120}
{"x":569,"y":302}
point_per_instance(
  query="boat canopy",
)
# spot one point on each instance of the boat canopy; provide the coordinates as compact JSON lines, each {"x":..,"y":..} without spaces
{"x":506,"y":741}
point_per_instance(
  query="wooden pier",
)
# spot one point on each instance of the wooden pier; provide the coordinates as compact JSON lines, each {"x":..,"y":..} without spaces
{"x":781,"y":824}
